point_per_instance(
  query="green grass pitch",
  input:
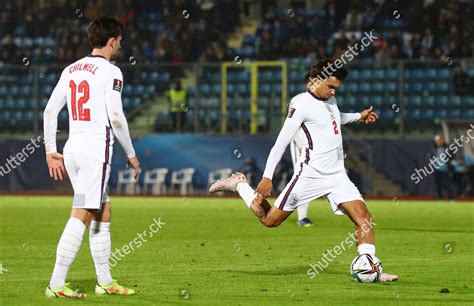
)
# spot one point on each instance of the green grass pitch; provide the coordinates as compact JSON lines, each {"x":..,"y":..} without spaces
{"x":213,"y":251}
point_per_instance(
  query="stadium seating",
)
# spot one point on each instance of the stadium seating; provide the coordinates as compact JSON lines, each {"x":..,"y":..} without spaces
{"x":428,"y":93}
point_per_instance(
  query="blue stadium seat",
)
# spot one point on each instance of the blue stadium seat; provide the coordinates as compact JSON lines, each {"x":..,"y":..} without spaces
{"x":265,"y":75}
{"x":26,"y":91}
{"x":366,"y":74}
{"x":138,"y":89}
{"x":3,"y":90}
{"x":213,"y":103}
{"x":164,"y":77}
{"x":127,"y":89}
{"x":379,"y":74}
{"x":365,"y":87}
{"x":243,"y":89}
{"x":391,"y":87}
{"x":136,"y":102}
{"x":444,"y":73}
{"x":216,"y":89}
{"x":441,"y":114}
{"x":377,"y":87}
{"x":350,"y":101}
{"x":427,"y":115}
{"x":352,"y":87}
{"x":150,"y":89}
{"x":265,"y":89}
{"x":468,"y":101}
{"x":154,"y":76}
{"x":126,"y":102}
{"x":455,"y":101}
{"x":295,"y":76}
{"x":468,"y":114}
{"x":414,"y":101}
{"x":13,"y":90}
{"x":276,"y":88}
{"x":9,"y":104}
{"x":21,"y":103}
{"x":392,"y":74}
{"x":243,"y":76}
{"x":429,"y":101}
{"x":454,"y":114}
{"x":442,"y":101}
{"x":430,"y":74}
{"x":376,"y":101}
{"x":354,"y":74}
{"x":443,"y":87}
{"x":413,"y":114}
{"x":263,"y":102}
{"x":205,"y":89}
{"x":191,"y":91}
{"x":27,"y":116}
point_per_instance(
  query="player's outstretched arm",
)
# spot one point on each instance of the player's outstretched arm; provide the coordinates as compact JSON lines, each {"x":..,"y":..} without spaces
{"x":368,"y":116}
{"x":50,"y":124}
{"x":288,"y":131}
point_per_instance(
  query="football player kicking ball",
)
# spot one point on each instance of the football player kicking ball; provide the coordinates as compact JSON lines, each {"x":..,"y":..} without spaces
{"x":321,"y":164}
{"x":91,"y":88}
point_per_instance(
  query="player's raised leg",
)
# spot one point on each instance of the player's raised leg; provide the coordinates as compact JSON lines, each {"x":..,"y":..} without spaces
{"x":364,"y":231}
{"x":100,"y":245}
{"x":269,"y":215}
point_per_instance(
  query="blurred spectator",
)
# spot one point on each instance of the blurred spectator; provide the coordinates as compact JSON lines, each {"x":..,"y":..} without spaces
{"x":463,"y":83}
{"x":252,"y":171}
{"x":177,"y":102}
{"x":282,"y":175}
{"x":443,"y":170}
{"x":460,"y":177}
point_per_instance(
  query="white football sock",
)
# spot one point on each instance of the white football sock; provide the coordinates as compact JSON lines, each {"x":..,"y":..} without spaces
{"x":366,"y":248}
{"x":100,"y":244}
{"x":68,"y":247}
{"x":302,"y":211}
{"x":246,"y":193}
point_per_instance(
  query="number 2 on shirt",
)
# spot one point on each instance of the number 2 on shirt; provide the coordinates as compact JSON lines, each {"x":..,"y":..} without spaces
{"x":334,"y":124}
{"x":84,"y":113}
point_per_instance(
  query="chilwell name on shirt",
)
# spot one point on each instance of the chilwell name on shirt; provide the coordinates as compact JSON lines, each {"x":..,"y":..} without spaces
{"x":83,"y":67}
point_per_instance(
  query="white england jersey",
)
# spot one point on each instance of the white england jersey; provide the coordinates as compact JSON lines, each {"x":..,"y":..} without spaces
{"x":91,"y":88}
{"x":316,"y":124}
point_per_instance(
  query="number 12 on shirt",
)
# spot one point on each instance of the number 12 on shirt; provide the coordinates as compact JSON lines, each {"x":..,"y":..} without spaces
{"x":84,"y":113}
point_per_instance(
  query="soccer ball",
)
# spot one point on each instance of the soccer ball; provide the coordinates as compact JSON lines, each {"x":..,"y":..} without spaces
{"x":366,"y":268}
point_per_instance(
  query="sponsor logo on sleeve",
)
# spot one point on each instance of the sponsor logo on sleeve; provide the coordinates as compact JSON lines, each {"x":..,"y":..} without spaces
{"x":117,"y":85}
{"x":291,"y":112}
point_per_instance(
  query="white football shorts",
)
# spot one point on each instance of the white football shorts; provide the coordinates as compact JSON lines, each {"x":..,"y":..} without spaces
{"x":308,"y":184}
{"x":89,"y":180}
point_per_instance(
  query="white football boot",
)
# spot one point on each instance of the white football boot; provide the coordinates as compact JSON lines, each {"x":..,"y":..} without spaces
{"x":228,"y":184}
{"x":385,"y":277}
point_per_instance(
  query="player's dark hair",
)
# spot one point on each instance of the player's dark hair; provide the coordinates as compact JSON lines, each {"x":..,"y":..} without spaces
{"x":102,"y":29}
{"x":324,"y":69}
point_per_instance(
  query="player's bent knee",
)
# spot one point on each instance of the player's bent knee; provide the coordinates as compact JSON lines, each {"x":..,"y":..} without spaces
{"x":271,"y":222}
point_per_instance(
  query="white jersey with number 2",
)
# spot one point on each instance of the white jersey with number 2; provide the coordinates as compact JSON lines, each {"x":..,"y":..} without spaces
{"x":316,"y":125}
